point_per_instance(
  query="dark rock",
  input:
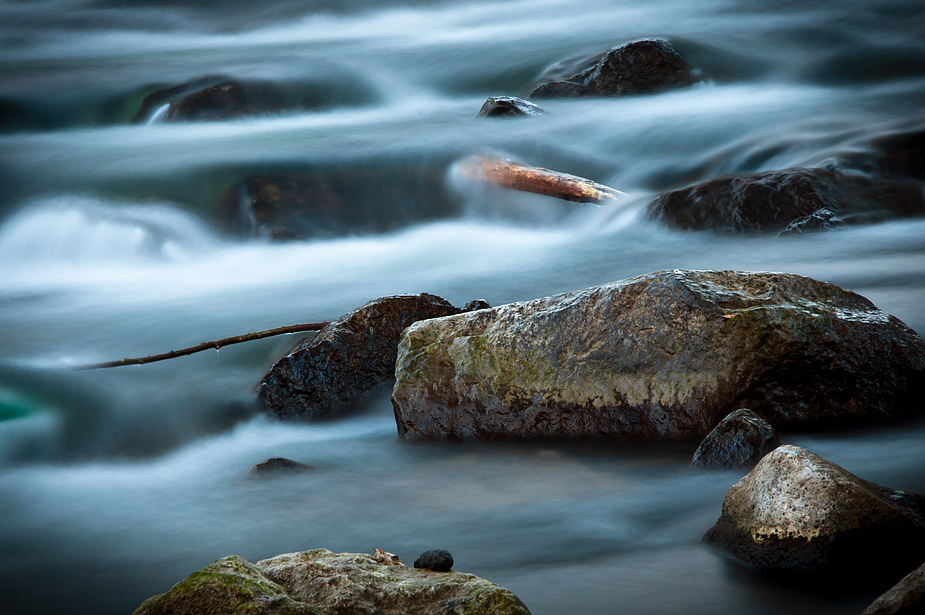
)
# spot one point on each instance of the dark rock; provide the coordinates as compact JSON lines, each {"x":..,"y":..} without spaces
{"x":321,"y":582}
{"x":798,"y":512}
{"x":642,"y":67}
{"x":351,"y":356}
{"x":439,"y":560}
{"x":905,"y":598}
{"x":772,"y":201}
{"x":334,"y":200}
{"x":508,"y":106}
{"x":476,"y":304}
{"x":740,"y":439}
{"x":895,"y":156}
{"x":279,"y":465}
{"x":660,"y":356}
{"x":820,"y":220}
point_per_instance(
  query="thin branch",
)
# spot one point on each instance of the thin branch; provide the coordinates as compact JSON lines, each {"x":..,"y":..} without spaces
{"x":312,"y":326}
{"x":535,"y":179}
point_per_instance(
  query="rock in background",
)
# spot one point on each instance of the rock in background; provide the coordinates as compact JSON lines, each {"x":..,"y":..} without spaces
{"x":660,"y":356}
{"x":798,"y":512}
{"x":741,"y":439}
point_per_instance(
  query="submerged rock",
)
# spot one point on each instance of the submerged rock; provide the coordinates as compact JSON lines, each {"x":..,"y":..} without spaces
{"x":798,"y":512}
{"x":348,"y":358}
{"x":740,"y":439}
{"x":641,"y":67}
{"x":509,"y":106}
{"x":229,"y":585}
{"x":660,"y":356}
{"x":320,"y":582}
{"x":905,"y":598}
{"x":894,"y":156}
{"x":439,"y":560}
{"x":355,"y":584}
{"x":805,"y":199}
{"x":279,"y":465}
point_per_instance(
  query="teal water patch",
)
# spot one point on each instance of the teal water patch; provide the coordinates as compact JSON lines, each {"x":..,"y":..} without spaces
{"x":14,"y":405}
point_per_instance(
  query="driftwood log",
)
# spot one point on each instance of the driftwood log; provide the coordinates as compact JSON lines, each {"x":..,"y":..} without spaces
{"x":516,"y":176}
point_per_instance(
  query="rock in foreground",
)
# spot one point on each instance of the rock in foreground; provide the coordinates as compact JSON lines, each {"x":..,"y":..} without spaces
{"x":741,"y":439}
{"x":803,"y":199}
{"x":905,"y":598}
{"x":798,"y":512}
{"x":660,"y":356}
{"x":320,"y":582}
{"x":350,"y":357}
{"x":641,"y":67}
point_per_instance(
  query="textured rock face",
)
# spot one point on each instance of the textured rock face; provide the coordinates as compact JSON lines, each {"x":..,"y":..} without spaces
{"x":641,"y":67}
{"x":741,"y":439}
{"x":229,"y":585}
{"x":320,"y":582}
{"x":351,"y":356}
{"x":807,"y":199}
{"x":661,"y":356}
{"x":355,"y":584}
{"x":439,"y":560}
{"x":509,"y":106}
{"x":797,"y":511}
{"x":905,"y":598}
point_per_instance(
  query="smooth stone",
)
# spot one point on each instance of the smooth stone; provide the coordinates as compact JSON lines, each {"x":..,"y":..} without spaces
{"x":279,"y":465}
{"x":438,"y":560}
{"x":509,"y":106}
{"x":741,"y":439}
{"x":664,"y":356}
{"x":798,"y":512}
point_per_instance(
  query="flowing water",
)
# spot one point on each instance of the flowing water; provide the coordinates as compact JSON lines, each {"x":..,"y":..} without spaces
{"x":115,"y":484}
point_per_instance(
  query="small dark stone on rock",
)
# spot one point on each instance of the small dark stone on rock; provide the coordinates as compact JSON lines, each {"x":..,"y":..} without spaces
{"x":278,"y":465}
{"x":508,"y":106}
{"x":740,"y":439}
{"x":476,"y":304}
{"x":438,"y":560}
{"x":641,"y":67}
{"x":820,"y":220}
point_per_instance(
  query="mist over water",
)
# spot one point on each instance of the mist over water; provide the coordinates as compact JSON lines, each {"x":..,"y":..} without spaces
{"x":116,"y":240}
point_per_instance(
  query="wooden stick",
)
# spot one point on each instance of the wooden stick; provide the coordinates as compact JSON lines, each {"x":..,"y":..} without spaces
{"x":534,"y":179}
{"x":312,"y":326}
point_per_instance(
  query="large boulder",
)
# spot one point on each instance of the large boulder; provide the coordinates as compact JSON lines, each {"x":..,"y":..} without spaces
{"x":798,"y":512}
{"x":348,"y":358}
{"x":641,"y":67}
{"x":769,"y":202}
{"x":905,"y":598}
{"x":663,"y":356}
{"x":741,"y":439}
{"x":321,"y":582}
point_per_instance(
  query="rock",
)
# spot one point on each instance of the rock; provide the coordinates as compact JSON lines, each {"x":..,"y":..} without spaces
{"x":894,"y":156}
{"x":772,"y":201}
{"x":740,"y":439}
{"x":905,"y":598}
{"x":386,"y":558}
{"x":509,"y":106}
{"x":350,"y":357}
{"x":355,"y":584}
{"x":321,"y":582}
{"x":798,"y":512}
{"x":660,"y":356}
{"x":642,"y":67}
{"x":476,"y":304}
{"x":330,"y":201}
{"x":820,"y":220}
{"x":439,"y":560}
{"x":229,"y":585}
{"x":279,"y":465}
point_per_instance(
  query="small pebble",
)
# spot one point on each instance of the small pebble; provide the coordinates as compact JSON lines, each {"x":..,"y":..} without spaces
{"x":439,"y":560}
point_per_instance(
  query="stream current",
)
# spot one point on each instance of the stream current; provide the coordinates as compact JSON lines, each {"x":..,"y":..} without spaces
{"x":115,"y":484}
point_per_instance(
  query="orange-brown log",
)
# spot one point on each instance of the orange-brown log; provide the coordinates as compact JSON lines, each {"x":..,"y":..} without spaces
{"x":535,"y":179}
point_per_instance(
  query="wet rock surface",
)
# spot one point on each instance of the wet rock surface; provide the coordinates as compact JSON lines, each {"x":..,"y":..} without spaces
{"x":905,"y":598}
{"x":895,"y":156}
{"x":660,"y":356}
{"x":509,"y":106}
{"x":279,"y":465}
{"x":741,"y":439}
{"x":641,"y":67}
{"x":321,"y":582}
{"x":350,"y":357}
{"x":439,"y":560}
{"x":792,"y":200}
{"x":798,"y":512}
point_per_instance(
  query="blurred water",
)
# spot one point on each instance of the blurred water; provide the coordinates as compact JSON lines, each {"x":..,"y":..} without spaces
{"x":115,"y":484}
